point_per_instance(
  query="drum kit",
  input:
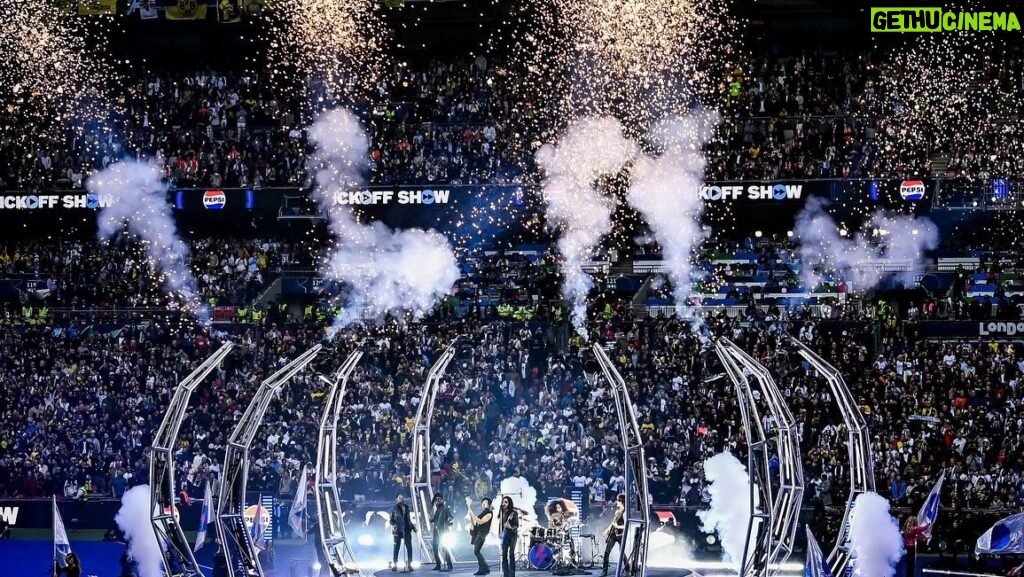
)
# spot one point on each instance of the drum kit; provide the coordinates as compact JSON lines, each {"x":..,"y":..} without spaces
{"x":556,"y":550}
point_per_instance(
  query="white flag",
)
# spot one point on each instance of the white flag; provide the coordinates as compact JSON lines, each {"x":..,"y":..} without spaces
{"x":61,"y":545}
{"x":929,"y":512}
{"x":298,"y":506}
{"x":204,"y":517}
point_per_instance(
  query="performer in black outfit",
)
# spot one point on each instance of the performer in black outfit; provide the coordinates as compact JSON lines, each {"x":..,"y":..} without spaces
{"x":613,"y":534}
{"x":480,"y":527}
{"x":441,"y":520}
{"x":509,"y":518}
{"x":402,"y":528}
{"x":72,"y":566}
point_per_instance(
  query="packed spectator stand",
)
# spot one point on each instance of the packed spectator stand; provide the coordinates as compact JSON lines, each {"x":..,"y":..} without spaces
{"x":86,"y":384}
{"x":813,"y":114}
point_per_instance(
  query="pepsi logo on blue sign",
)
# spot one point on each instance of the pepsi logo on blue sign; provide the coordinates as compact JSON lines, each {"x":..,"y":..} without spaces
{"x":912,"y":190}
{"x":214,"y":199}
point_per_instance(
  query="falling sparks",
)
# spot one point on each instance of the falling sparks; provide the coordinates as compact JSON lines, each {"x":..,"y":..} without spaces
{"x":639,"y":61}
{"x":55,"y":75}
{"x":952,"y":96}
{"x":335,"y":47}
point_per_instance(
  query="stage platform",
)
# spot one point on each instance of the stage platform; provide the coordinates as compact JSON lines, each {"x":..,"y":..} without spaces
{"x":469,"y":569}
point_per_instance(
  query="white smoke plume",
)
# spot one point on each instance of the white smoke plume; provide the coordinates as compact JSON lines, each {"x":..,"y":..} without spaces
{"x":664,"y":190}
{"x":135,"y":519}
{"x":875,"y":537}
{"x":730,"y":511}
{"x":523,"y":495}
{"x":858,"y":258}
{"x":384,"y":270}
{"x":136,"y":199}
{"x":589,"y":149}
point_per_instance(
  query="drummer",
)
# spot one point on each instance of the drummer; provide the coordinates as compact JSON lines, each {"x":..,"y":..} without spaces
{"x":558,"y":518}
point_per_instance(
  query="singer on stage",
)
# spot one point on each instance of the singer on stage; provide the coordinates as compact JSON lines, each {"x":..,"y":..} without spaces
{"x":509,"y":518}
{"x":613,"y":534}
{"x":480,"y":527}
{"x":402,"y":529}
{"x":441,"y":520}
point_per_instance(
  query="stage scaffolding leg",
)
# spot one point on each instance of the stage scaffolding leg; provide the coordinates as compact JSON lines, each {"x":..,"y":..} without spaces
{"x":638,"y":502}
{"x":332,"y":537}
{"x":178,"y":559}
{"x":241,"y":553}
{"x":858,"y":441}
{"x":419,"y":478}
{"x":785,"y":506}
{"x":755,"y":561}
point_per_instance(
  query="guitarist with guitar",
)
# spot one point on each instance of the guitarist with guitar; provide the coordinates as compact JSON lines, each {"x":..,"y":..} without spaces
{"x":613,"y":534}
{"x":480,"y":526}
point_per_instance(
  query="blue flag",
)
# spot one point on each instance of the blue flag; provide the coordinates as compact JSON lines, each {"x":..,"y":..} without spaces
{"x":1006,"y":536}
{"x":816,"y":565}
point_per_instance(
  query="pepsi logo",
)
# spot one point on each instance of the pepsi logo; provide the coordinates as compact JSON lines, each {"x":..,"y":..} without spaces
{"x":912,"y":190}
{"x":214,"y":199}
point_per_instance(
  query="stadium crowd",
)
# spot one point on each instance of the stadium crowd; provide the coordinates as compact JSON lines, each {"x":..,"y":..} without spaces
{"x":816,"y":114}
{"x":81,"y":399}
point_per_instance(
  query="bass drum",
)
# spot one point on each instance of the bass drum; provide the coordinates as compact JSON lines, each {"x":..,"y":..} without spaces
{"x":542,"y":557}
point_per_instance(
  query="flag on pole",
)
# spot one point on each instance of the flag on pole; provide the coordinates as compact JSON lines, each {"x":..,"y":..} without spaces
{"x":259,"y":526}
{"x":298,"y":506}
{"x":929,"y":512}
{"x":204,"y":517}
{"x":1006,"y":536}
{"x":61,"y":545}
{"x":815,"y":566}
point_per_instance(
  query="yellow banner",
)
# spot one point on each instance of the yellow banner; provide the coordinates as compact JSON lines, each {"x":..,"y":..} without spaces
{"x":97,"y":7}
{"x":229,"y":11}
{"x":185,"y":9}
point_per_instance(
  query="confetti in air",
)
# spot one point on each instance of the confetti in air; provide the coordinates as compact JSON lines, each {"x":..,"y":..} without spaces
{"x":134,"y":197}
{"x":589,"y":150}
{"x":888,"y":245}
{"x":875,"y":539}
{"x":384,"y":270}
{"x":728,"y":515}
{"x":664,"y":191}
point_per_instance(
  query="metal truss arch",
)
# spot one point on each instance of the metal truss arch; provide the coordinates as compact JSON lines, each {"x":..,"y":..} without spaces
{"x":332,"y":537}
{"x":785,"y":502}
{"x":234,"y":535}
{"x":420,"y":485}
{"x":754,"y":562}
{"x":638,"y":502}
{"x":178,"y":560}
{"x":862,"y":477}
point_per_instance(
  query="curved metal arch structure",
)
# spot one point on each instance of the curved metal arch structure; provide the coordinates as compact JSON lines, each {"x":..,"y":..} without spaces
{"x":235,"y":539}
{"x":782,"y":520}
{"x":333,"y":540}
{"x":638,"y":509}
{"x":421,"y":491}
{"x":858,"y":444}
{"x":178,"y":559}
{"x":754,"y":562}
